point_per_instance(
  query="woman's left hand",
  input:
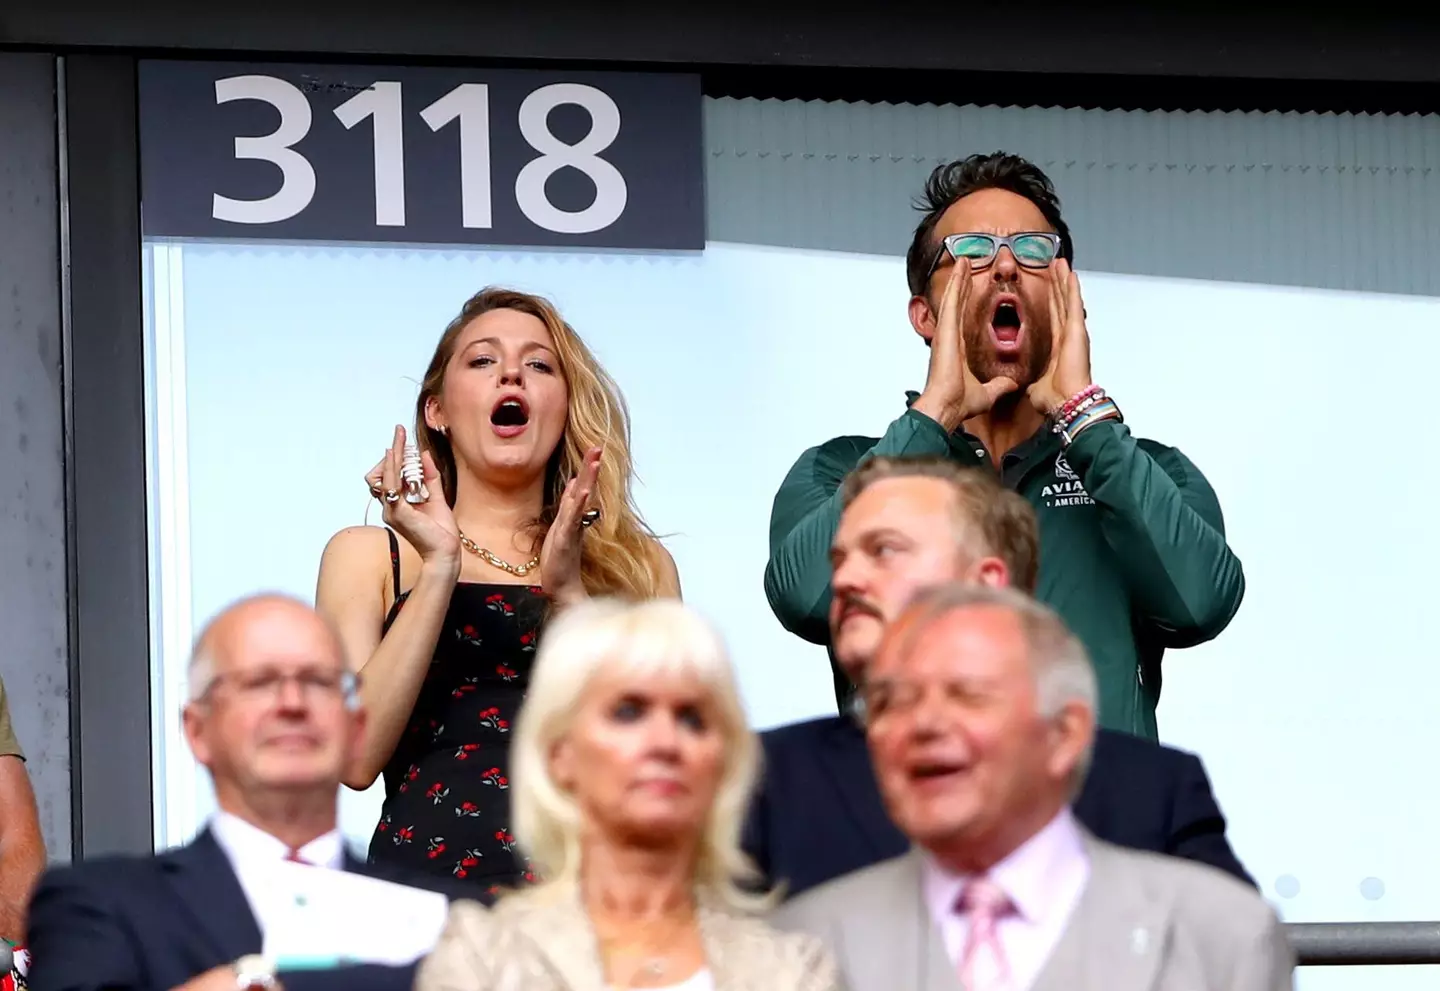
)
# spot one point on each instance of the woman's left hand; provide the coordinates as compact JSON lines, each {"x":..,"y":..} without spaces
{"x":560,"y":553}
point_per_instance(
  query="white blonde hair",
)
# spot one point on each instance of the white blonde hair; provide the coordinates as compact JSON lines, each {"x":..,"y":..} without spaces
{"x":645,"y":639}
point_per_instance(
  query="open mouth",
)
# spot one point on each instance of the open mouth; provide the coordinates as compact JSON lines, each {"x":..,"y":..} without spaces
{"x":1005,"y":323}
{"x":510,"y":413}
{"x":934,"y":772}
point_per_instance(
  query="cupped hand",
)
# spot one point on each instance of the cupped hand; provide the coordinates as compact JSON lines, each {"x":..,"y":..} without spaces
{"x":1068,"y":373}
{"x":952,"y":393}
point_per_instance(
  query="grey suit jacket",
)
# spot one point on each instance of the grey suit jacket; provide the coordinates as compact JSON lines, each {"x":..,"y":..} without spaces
{"x":541,"y":939}
{"x":1144,"y":923}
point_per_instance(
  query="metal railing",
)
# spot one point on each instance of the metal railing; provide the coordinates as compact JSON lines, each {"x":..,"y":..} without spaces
{"x":1356,"y":944}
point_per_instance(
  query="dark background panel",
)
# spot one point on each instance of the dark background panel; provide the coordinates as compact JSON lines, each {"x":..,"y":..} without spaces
{"x":1261,"y":41}
{"x":188,"y":152}
{"x":105,"y":391}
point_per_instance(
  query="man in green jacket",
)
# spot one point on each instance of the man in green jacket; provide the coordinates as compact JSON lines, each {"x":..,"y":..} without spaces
{"x":1133,"y":552}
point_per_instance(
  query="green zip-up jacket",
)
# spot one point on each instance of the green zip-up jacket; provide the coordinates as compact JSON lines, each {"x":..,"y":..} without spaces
{"x":1132,"y":545}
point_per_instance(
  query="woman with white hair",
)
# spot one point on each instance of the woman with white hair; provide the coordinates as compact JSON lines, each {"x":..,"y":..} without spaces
{"x":632,"y":767}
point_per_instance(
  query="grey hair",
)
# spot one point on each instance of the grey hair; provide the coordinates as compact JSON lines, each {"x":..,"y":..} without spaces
{"x":200,"y":673}
{"x":1060,"y":664}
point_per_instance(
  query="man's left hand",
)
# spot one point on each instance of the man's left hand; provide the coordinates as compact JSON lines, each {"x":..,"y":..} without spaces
{"x":1069,"y":370}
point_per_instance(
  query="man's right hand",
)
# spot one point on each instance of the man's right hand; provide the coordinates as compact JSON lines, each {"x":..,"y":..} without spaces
{"x":952,"y":393}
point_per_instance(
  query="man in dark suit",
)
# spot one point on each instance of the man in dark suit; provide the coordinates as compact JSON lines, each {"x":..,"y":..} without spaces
{"x":274,"y":715}
{"x":908,"y":523}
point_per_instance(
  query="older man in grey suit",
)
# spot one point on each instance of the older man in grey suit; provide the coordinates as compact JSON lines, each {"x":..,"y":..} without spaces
{"x":980,"y":709}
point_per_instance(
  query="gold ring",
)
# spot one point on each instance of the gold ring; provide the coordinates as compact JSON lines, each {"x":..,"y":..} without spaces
{"x":589,"y":518}
{"x":391,"y":496}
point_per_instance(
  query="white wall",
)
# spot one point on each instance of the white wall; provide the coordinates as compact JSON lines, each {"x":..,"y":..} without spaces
{"x":1314,"y":711}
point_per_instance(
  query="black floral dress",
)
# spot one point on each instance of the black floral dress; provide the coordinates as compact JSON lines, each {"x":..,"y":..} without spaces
{"x":447,"y":807}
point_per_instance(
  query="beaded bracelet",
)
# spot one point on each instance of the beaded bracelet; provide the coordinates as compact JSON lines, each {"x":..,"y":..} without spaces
{"x":1071,"y":405}
{"x":1086,"y":408}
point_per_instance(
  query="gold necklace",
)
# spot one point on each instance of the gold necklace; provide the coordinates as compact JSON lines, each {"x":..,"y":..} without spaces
{"x":518,"y":570}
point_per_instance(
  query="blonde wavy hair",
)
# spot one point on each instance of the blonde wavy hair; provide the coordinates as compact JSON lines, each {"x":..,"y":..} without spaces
{"x":641,"y":640}
{"x":621,"y":555}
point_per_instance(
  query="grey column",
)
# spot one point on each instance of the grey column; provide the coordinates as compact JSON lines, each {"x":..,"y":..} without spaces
{"x":33,"y":612}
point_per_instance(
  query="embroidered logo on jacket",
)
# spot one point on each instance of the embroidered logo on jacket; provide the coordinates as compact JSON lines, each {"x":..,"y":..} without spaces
{"x":1067,"y":491}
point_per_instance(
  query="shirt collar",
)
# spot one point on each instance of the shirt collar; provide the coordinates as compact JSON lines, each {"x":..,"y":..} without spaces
{"x":244,"y":842}
{"x":1025,"y":875}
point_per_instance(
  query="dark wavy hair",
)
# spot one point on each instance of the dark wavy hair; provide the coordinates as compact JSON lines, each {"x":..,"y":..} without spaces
{"x":953,"y":181}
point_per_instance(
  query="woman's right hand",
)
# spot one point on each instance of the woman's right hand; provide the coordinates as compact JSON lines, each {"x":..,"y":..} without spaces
{"x":428,"y":526}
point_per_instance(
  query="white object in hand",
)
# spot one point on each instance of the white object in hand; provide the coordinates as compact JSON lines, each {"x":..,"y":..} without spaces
{"x":315,"y":918}
{"x":413,"y":475}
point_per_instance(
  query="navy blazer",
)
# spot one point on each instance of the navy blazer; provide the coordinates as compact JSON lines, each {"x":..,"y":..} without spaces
{"x":153,"y":923}
{"x":818,"y":812}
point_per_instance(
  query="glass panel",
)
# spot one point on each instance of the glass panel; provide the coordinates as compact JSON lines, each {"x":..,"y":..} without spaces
{"x":277,"y":373}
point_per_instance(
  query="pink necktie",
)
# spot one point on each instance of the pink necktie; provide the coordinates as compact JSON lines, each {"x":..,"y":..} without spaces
{"x":982,"y":965}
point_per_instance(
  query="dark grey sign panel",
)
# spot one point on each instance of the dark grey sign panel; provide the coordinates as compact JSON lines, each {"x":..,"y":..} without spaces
{"x":421,"y":155}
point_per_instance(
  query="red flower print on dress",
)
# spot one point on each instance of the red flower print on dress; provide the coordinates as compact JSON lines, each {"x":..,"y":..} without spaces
{"x":507,"y":840}
{"x":495,"y":778}
{"x":506,"y":674}
{"x":461,"y":691}
{"x":490,"y":719}
{"x":404,"y":835}
{"x":531,"y":877}
{"x":384,"y":826}
{"x":464,"y":751}
{"x":468,"y":634}
{"x":437,"y":792}
{"x":436,"y":847}
{"x":468,"y":809}
{"x":498,"y":604}
{"x":527,"y":641}
{"x":410,"y":776}
{"x":465,"y":864}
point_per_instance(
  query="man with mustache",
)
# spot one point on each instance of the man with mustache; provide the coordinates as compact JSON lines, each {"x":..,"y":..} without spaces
{"x":909,"y":523}
{"x":1135,"y":554}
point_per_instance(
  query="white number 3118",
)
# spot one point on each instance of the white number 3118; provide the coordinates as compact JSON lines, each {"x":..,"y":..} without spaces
{"x":469,"y":105}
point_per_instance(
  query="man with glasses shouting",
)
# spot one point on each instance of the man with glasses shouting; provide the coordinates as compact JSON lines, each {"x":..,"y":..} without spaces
{"x":1132,"y":541}
{"x":274,"y":715}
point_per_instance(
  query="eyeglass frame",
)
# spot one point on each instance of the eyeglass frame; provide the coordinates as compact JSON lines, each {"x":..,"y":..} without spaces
{"x":347,"y":684}
{"x":1000,"y":241}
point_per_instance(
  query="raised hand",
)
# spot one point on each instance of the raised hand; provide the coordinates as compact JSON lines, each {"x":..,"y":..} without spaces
{"x":952,"y":393}
{"x":1068,"y":372}
{"x":429,"y":526}
{"x":560,"y":554}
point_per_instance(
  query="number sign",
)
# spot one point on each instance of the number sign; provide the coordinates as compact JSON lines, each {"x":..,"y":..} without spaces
{"x":418,"y":155}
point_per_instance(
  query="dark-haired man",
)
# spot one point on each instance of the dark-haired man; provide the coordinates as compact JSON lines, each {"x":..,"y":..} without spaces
{"x":1134,"y":556}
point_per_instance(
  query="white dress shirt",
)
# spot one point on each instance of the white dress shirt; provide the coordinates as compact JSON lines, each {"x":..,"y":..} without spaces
{"x":1044,"y":878}
{"x":253,"y":853}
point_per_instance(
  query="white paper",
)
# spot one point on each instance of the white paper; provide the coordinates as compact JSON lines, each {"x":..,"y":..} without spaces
{"x":316,"y":917}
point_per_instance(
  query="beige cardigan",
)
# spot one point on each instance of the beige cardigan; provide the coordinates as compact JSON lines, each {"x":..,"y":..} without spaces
{"x":541,"y":940}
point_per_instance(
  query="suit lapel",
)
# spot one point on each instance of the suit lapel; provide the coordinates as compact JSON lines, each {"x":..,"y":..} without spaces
{"x":891,"y":941}
{"x":846,"y":759}
{"x":205,"y":884}
{"x":1115,"y":940}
